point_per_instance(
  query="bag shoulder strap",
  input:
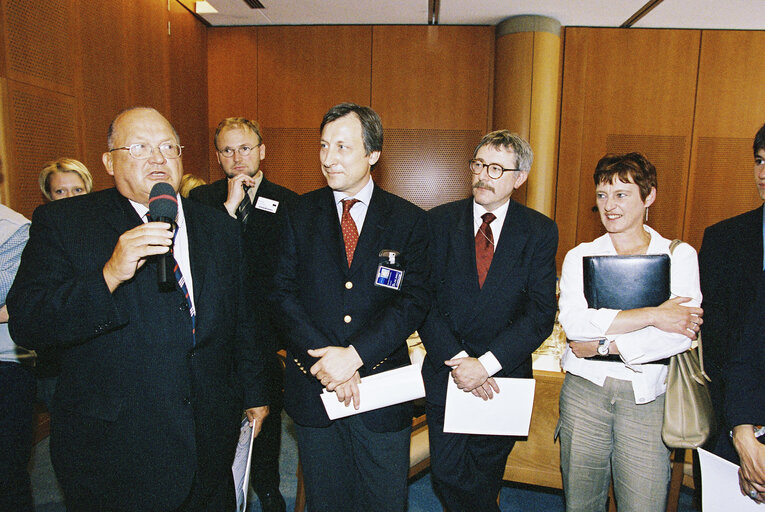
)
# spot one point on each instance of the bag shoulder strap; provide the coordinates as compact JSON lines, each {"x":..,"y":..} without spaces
{"x":672,"y":245}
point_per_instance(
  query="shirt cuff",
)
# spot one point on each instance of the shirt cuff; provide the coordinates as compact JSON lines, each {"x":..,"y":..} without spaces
{"x":490,"y":363}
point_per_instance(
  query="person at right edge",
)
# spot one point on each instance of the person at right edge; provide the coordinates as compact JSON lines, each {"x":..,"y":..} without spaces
{"x":731,"y":260}
{"x":612,"y":399}
{"x":745,"y":411}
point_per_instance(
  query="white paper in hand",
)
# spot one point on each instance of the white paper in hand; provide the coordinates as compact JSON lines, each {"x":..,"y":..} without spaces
{"x":719,"y":486}
{"x":241,"y":466}
{"x":507,"y":414}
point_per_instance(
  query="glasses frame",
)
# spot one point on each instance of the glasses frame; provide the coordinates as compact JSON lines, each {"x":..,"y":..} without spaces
{"x":488,"y":167}
{"x":129,"y":149}
{"x":238,"y":150}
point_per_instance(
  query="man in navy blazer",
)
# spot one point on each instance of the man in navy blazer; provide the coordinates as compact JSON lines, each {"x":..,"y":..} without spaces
{"x":147,"y":409}
{"x":745,"y":397}
{"x":340,"y":326}
{"x":493,"y":277}
{"x":260,"y":206}
{"x":730,"y":262}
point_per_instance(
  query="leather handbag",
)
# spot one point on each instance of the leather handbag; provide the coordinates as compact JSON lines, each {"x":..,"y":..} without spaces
{"x":688,"y":412}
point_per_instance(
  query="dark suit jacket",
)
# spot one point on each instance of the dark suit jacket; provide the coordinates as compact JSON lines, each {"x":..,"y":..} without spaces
{"x":730,"y":263}
{"x":514,"y":311}
{"x":745,"y":374}
{"x":138,"y":409}
{"x":262,"y":238}
{"x":316,"y":293}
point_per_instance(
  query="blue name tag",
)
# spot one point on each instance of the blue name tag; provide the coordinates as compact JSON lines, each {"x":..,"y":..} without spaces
{"x":389,"y":277}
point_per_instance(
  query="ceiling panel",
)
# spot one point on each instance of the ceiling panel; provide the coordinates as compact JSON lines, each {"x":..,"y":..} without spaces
{"x":715,"y":14}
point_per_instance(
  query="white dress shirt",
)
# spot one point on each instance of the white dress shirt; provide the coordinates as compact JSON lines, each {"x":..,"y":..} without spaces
{"x":180,"y":245}
{"x":637,"y":347}
{"x":359,"y":210}
{"x":490,"y":363}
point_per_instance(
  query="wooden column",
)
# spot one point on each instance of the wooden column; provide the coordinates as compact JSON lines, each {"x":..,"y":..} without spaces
{"x":526,"y":97}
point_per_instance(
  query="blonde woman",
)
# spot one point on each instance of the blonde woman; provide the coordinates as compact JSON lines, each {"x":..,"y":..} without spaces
{"x":65,"y":177}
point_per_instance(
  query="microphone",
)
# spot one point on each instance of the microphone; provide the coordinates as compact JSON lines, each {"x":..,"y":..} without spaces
{"x":163,"y":207}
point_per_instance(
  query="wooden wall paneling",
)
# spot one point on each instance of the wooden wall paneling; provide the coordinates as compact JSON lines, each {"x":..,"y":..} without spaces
{"x":730,"y":108}
{"x":105,"y":74}
{"x":37,"y":49}
{"x":147,"y":58}
{"x":232,"y":81}
{"x":513,"y":111}
{"x":432,"y":76}
{"x":302,"y":72}
{"x":639,"y":92}
{"x":188,"y":88}
{"x":42,"y":127}
{"x":576,"y":45}
{"x":432,"y":89}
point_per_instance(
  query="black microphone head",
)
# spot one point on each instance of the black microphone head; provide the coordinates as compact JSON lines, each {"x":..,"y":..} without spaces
{"x":163,"y":203}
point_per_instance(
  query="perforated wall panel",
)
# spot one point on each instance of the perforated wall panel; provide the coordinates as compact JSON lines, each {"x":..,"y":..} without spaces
{"x":427,"y":167}
{"x":43,"y":128}
{"x":722,"y":184}
{"x":39,"y":48}
{"x":667,"y":154}
{"x":292,"y":158}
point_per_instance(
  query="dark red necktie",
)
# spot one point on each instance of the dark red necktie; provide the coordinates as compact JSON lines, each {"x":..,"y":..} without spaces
{"x":484,"y":247}
{"x":350,"y":232}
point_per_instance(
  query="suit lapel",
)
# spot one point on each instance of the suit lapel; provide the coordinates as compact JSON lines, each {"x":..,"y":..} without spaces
{"x":327,"y":225}
{"x":507,"y":253}
{"x":196,"y":230}
{"x":751,"y":245}
{"x":371,"y":231}
{"x":119,"y":213}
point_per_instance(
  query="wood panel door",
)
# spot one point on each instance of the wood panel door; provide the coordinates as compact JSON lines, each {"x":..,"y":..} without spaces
{"x":625,"y":90}
{"x":730,"y":108}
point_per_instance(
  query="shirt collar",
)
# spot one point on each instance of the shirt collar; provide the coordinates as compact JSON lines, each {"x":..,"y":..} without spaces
{"x":364,"y":195}
{"x":500,"y":214}
{"x":143,"y":211}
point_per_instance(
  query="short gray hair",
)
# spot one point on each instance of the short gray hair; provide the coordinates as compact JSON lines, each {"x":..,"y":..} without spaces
{"x":509,"y":141}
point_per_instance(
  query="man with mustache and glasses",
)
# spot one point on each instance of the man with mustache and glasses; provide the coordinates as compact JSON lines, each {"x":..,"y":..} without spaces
{"x":153,"y":379}
{"x":493,"y":277}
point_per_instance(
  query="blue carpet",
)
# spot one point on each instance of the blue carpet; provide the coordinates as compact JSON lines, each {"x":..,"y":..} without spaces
{"x":513,"y":498}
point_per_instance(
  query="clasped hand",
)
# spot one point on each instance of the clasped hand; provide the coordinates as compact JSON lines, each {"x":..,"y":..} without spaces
{"x":672,"y":316}
{"x":336,"y":369}
{"x":471,"y":377}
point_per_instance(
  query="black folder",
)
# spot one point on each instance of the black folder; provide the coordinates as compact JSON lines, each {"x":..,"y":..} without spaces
{"x":626,"y":282}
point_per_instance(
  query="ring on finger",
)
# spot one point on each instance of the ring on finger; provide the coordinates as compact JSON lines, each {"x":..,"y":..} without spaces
{"x":753,"y":494}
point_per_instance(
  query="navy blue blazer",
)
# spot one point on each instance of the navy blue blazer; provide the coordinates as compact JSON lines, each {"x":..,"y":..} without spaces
{"x":138,"y":410}
{"x":514,"y":311}
{"x":262,"y":237}
{"x":730,"y":263}
{"x":745,"y":374}
{"x":321,"y":302}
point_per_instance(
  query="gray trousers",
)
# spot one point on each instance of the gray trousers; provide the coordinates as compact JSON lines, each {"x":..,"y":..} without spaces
{"x":603,"y":431}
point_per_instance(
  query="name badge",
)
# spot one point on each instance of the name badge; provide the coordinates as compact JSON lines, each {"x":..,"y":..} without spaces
{"x":389,"y":272}
{"x":266,"y":204}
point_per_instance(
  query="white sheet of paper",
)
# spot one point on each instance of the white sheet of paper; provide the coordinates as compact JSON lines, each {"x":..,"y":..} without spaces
{"x":507,"y":414}
{"x":379,"y":390}
{"x":719,"y":486}
{"x":241,"y":466}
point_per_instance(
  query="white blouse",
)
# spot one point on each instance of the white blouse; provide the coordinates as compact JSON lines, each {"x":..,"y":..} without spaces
{"x":637,"y":347}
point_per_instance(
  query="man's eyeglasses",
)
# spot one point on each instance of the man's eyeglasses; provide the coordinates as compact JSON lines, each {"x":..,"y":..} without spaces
{"x":242,"y":150}
{"x":141,"y":150}
{"x":495,"y":170}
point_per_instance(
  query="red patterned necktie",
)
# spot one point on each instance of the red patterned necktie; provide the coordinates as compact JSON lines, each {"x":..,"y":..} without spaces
{"x":484,"y":247}
{"x":350,"y":232}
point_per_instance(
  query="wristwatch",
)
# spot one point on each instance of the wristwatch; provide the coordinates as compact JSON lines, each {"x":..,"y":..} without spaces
{"x":603,"y":344}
